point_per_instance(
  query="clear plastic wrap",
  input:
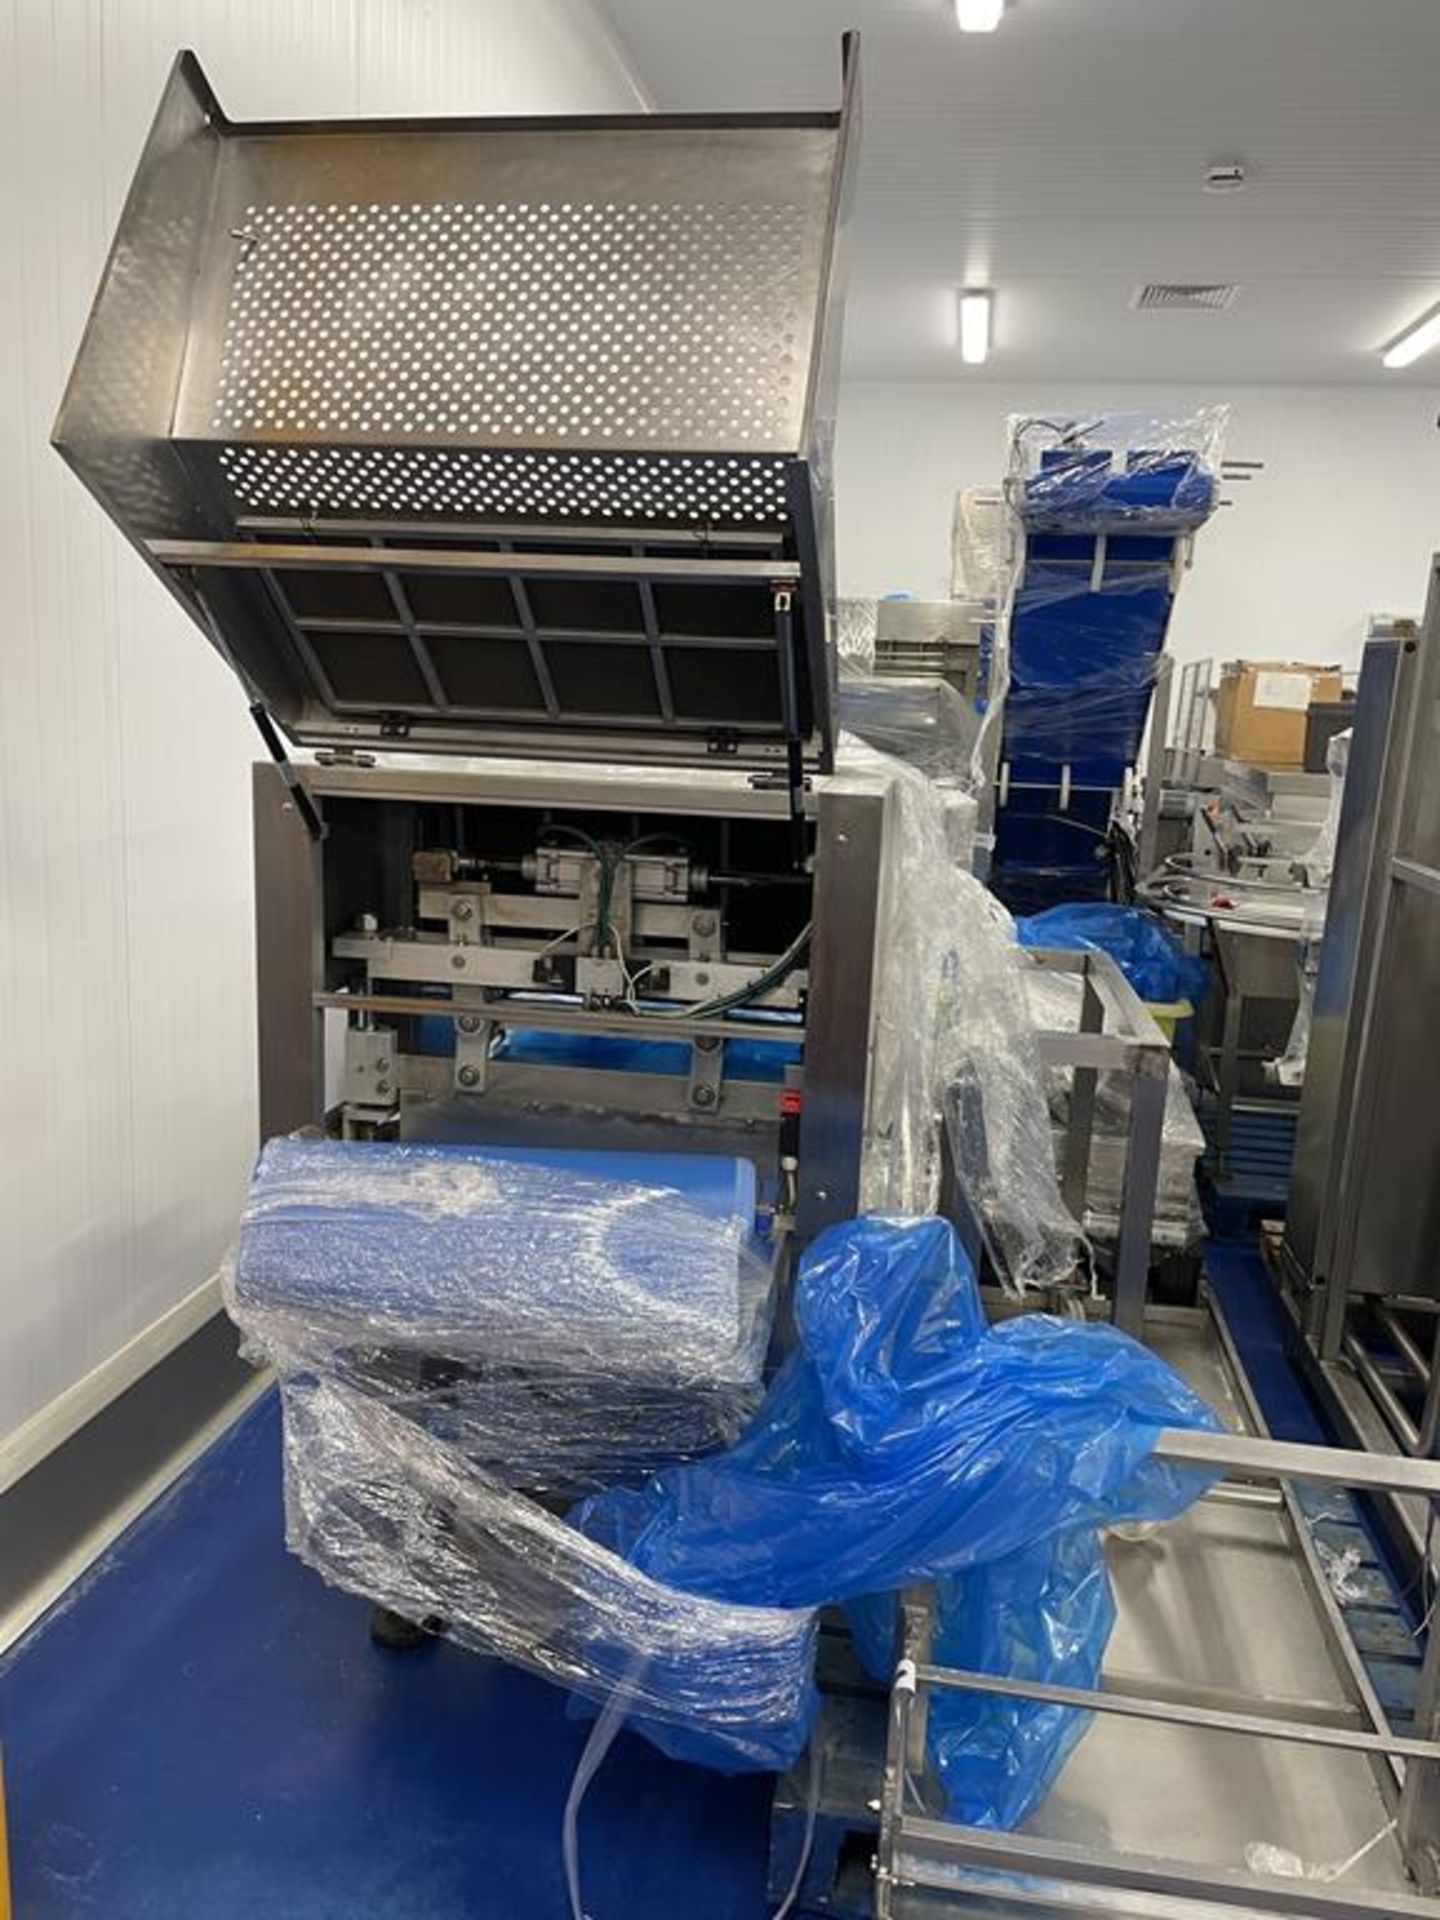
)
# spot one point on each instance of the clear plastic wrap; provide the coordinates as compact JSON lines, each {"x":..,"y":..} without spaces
{"x":1082,"y":658}
{"x":1103,"y":510}
{"x":1054,"y":1000}
{"x":954,"y":1043}
{"x":980,"y":542}
{"x":559,"y":1327}
{"x":1116,"y":470}
{"x":382,"y":1508}
{"x":923,"y":722}
{"x":904,"y":1440}
{"x":855,"y":634}
{"x":1318,"y":862}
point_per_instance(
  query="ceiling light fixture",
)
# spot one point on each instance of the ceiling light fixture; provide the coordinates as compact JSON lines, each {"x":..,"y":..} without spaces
{"x":979,"y":16}
{"x":975,"y":312}
{"x":1414,"y":343}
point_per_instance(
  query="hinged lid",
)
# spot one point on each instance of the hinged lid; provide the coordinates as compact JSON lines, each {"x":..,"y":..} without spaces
{"x":485,"y":435}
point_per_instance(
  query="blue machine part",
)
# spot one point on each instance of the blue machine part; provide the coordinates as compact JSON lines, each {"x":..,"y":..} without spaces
{"x":1088,"y":620}
{"x":752,"y":1060}
{"x":907,"y":1440}
{"x":556,"y":1319}
{"x":745,"y":1059}
{"x":1083,"y":488}
{"x":461,"y":1245}
{"x":1082,"y":655}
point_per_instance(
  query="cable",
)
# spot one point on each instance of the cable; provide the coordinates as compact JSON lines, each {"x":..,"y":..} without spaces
{"x":602,"y":1738}
{"x":777,"y":971}
{"x":807,"y":1839}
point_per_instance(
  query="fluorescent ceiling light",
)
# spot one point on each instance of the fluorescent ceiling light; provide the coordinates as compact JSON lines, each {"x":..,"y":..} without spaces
{"x":979,"y":16}
{"x":1415,"y":342}
{"x":975,"y":328}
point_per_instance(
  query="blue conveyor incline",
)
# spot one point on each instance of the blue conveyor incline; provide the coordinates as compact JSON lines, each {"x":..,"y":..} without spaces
{"x":1101,"y":560}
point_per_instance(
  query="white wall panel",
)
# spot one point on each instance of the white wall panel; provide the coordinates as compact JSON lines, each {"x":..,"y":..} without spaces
{"x":1340,"y":525}
{"x":127,"y":1104}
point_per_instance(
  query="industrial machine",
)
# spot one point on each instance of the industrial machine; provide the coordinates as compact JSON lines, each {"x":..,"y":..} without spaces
{"x":511,"y":439}
{"x":1106,"y":511}
{"x":1242,"y":873}
{"x":1358,"y":1258}
{"x":494,"y":459}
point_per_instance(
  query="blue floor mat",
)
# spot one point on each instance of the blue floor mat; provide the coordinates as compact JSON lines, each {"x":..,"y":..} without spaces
{"x":202,"y":1729}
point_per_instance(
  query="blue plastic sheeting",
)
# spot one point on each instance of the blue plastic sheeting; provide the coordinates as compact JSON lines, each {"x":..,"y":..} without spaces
{"x":1147,"y":953}
{"x":906,"y":1440}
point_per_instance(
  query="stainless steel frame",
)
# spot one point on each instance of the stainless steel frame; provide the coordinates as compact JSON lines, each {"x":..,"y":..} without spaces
{"x":1379,"y":1237}
{"x":1116,"y":1034}
{"x":568,"y":386}
{"x":930,"y":1865}
{"x":1383,"y":712}
{"x":471,"y":1095}
{"x":1357,"y":1262}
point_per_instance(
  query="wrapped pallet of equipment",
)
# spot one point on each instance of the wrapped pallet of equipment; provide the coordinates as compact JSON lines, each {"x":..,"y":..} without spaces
{"x":903,"y":1440}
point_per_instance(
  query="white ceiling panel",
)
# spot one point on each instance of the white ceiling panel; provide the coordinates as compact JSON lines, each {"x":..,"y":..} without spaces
{"x":1062,"y":160}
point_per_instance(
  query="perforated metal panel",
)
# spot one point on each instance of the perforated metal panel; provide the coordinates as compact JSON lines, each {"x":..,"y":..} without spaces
{"x":395,"y":482}
{"x":664,"y":325}
{"x":611,"y":332}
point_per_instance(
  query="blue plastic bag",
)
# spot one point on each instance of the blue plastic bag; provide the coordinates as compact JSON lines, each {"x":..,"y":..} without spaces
{"x":907,"y":1440}
{"x":1147,"y":953}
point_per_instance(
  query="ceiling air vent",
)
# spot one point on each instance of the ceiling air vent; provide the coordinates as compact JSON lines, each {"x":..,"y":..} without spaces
{"x":1173,"y":297}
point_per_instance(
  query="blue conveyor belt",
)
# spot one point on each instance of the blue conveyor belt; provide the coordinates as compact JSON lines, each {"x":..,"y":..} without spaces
{"x":1088,"y":621}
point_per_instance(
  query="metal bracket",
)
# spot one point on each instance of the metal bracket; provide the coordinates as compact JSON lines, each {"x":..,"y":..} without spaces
{"x":706,"y":935}
{"x":372,"y":1084}
{"x":707,"y":1072}
{"x":473,"y":1034}
{"x":343,"y":757}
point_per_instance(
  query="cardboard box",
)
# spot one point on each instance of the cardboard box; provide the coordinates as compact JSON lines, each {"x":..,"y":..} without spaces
{"x":1261,"y":707}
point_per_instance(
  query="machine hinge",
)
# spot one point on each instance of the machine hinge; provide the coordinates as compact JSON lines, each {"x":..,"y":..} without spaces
{"x":723,"y":740}
{"x":343,"y":757}
{"x":395,"y":726}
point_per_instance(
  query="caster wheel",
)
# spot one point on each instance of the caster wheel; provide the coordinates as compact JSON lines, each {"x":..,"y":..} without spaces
{"x":399,"y":1635}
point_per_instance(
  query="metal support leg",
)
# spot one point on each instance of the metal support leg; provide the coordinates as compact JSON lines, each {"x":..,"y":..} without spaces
{"x":1418,"y":1822}
{"x":1229,"y":1087}
{"x":1430,"y":1418}
{"x":1080,"y":1133}
{"x":1137,"y":1207}
{"x":892,"y":1791}
{"x":1146,"y":858}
